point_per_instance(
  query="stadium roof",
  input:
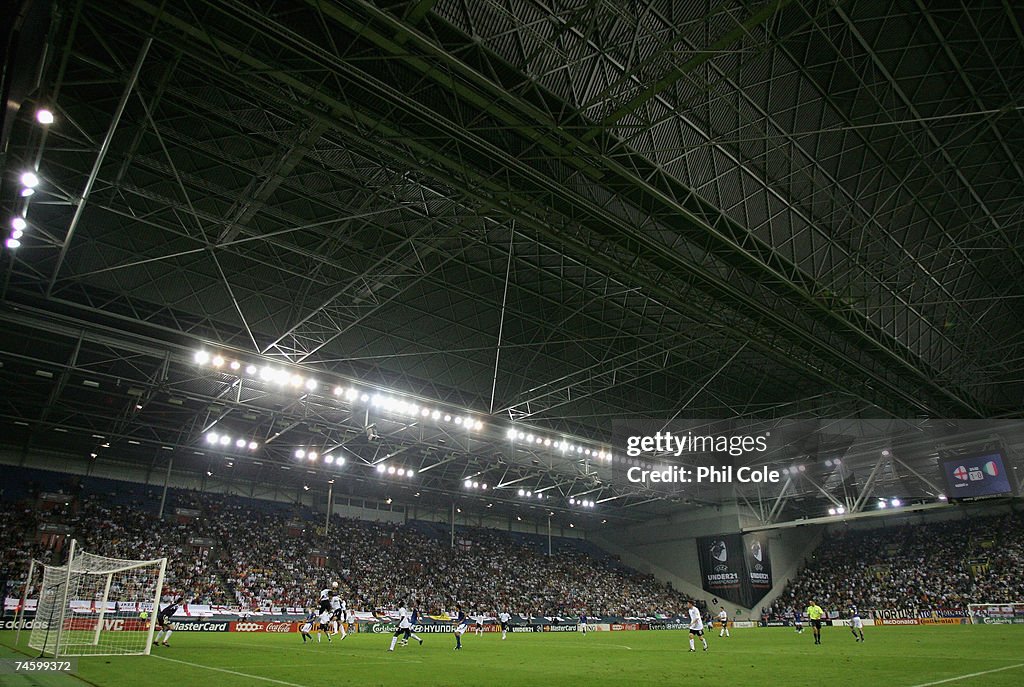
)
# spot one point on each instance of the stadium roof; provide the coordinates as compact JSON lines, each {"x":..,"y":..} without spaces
{"x":532,"y":212}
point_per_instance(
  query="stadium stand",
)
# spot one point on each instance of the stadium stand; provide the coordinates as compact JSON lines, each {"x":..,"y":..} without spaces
{"x":920,"y":566}
{"x":235,"y":552}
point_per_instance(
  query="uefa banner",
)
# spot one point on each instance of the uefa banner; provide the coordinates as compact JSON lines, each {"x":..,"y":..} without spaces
{"x":722,"y":568}
{"x":759,"y":567}
{"x":735,"y":567}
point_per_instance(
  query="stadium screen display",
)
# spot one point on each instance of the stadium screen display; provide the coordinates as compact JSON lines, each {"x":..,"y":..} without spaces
{"x":976,"y":477}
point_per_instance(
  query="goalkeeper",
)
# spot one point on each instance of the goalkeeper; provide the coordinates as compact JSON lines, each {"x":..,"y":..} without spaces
{"x":163,"y":622}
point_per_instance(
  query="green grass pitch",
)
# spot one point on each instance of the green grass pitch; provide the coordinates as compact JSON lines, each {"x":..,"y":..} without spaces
{"x":992,"y":656}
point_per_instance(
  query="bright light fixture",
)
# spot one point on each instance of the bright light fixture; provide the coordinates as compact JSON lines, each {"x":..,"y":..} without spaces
{"x":44,"y":116}
{"x":29,"y":180}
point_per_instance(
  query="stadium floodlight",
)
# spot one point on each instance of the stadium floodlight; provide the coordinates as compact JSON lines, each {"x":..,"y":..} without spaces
{"x":351,"y":394}
{"x":217,"y":361}
{"x":547,"y":442}
{"x":240,"y":443}
{"x":311,"y":384}
{"x":401,"y":472}
{"x":572,"y":502}
{"x":942,"y":497}
{"x":511,"y":433}
{"x":381,"y":467}
{"x":253,"y":445}
{"x":483,"y":486}
{"x":522,"y":492}
{"x":212,"y":437}
{"x":305,"y":487}
{"x":250,"y":369}
{"x":329,"y":459}
{"x":364,"y":398}
{"x":529,"y":493}
{"x":338,"y":391}
{"x":300,"y":453}
{"x":447,"y":418}
{"x":436,"y":414}
{"x":312,"y":455}
{"x":831,"y":511}
{"x":29,"y":179}
{"x":476,"y":485}
{"x":841,"y":510}
{"x":44,"y":116}
{"x":882,"y":504}
{"x":391,"y":470}
{"x":885,"y":453}
{"x":225,"y":440}
{"x":467,"y":483}
{"x":896,"y":503}
{"x":479,"y":424}
{"x":18,"y":224}
{"x":235,"y":365}
{"x":458,"y":420}
{"x":202,"y":357}
{"x":26,"y":192}
{"x":425,"y":412}
{"x":340,"y":460}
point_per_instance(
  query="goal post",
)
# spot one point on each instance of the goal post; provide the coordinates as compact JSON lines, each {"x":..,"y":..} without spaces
{"x":1006,"y":613}
{"x":97,"y":606}
{"x":19,"y":616}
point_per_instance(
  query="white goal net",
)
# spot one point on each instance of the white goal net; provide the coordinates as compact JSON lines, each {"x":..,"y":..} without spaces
{"x":97,"y":606}
{"x":997,"y":614}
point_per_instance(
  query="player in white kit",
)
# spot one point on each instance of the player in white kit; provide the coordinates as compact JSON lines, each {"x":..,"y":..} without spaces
{"x":696,"y":626}
{"x":723,"y":618}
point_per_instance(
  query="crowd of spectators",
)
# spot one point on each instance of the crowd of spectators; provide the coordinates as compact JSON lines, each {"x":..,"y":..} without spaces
{"x":225,"y":551}
{"x":938,"y":566}
{"x":235,"y":553}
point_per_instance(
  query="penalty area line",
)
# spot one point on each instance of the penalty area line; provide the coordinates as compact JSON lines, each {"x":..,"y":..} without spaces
{"x":230,"y":672}
{"x":969,"y":675}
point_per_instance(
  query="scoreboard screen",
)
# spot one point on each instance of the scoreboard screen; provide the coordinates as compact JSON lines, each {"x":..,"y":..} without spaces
{"x":977,"y":476}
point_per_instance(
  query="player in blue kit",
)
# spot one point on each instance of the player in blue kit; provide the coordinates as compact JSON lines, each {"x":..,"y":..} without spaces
{"x":461,"y":625}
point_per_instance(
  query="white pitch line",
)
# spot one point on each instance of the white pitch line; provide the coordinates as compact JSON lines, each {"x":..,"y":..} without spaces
{"x":230,"y":672}
{"x":969,"y":675}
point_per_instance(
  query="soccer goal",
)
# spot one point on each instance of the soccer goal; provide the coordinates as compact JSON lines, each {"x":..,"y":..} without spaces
{"x":97,"y":606}
{"x":997,"y":614}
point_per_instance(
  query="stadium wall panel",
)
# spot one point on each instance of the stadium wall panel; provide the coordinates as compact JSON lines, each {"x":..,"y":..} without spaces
{"x":667,"y":549}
